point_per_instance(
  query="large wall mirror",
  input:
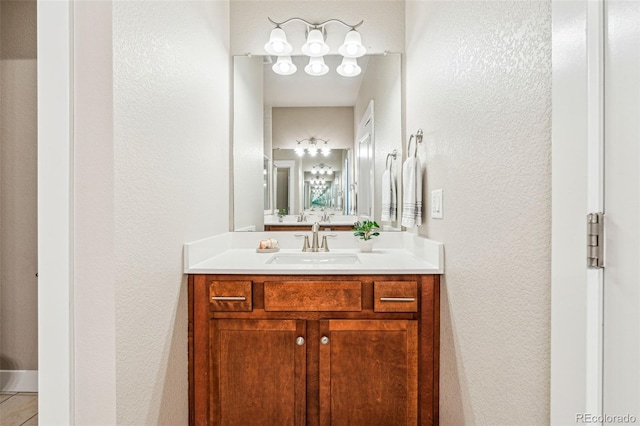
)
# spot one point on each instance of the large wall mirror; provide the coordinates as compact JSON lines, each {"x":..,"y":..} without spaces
{"x":304,"y":144}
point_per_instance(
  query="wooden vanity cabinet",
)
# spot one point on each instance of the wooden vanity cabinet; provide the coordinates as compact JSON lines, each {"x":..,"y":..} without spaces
{"x":313,"y":350}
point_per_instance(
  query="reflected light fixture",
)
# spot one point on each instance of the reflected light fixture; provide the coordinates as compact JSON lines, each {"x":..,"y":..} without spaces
{"x":284,"y":66}
{"x":312,"y":148}
{"x":349,"y":67}
{"x":325,"y":149}
{"x":316,"y":67}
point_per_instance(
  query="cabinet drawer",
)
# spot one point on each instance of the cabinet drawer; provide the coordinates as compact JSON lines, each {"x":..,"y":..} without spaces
{"x":313,"y":296}
{"x":228,"y":296}
{"x":395,"y":296}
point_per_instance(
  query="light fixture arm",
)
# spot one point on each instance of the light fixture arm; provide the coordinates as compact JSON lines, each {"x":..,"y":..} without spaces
{"x":312,"y":139}
{"x":311,"y":24}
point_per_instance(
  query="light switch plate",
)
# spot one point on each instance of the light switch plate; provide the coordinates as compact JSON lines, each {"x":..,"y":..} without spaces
{"x":436,"y":204}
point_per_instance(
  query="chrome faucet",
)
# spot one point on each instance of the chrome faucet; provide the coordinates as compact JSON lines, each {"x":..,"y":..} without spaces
{"x":325,"y":217}
{"x":315,"y":247}
{"x":314,"y":237}
{"x":301,"y":217}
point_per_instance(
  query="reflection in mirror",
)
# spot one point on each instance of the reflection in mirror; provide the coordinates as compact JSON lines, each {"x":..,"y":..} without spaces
{"x":272,"y":113}
{"x":266,"y":175}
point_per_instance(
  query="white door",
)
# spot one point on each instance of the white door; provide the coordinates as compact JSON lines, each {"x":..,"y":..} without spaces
{"x":621,"y":379}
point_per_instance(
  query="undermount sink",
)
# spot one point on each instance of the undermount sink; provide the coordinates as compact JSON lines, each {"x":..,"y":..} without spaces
{"x":314,"y":259}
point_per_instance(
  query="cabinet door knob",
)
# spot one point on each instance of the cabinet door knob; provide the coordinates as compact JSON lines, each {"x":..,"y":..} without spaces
{"x":300,"y":341}
{"x":324,"y":340}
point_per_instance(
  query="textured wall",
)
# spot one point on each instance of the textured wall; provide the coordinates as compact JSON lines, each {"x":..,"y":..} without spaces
{"x":383,"y":84}
{"x":478,"y":82}
{"x":171,"y":145}
{"x":18,"y":186}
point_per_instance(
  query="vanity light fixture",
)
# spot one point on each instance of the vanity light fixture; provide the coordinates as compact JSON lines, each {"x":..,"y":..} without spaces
{"x":352,"y":46}
{"x":325,"y":149}
{"x":312,"y":147}
{"x":315,"y":47}
{"x":320,"y":169}
{"x":277,"y":44}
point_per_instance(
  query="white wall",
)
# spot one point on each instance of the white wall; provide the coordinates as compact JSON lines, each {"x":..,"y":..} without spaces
{"x":248,"y":143}
{"x":383,"y":84}
{"x":478,"y":82}
{"x":18,"y":188}
{"x":171,"y":185}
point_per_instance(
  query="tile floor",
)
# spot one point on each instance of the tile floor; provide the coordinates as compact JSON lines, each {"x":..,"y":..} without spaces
{"x":18,"y":409}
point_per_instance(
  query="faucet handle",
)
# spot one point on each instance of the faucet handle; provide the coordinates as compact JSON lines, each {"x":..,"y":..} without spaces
{"x":325,"y":245}
{"x":305,"y":243}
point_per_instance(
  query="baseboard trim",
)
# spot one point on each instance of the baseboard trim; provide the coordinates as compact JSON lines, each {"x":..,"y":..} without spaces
{"x":19,"y":380}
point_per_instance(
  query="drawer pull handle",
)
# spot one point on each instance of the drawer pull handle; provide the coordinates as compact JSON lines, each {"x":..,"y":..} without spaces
{"x":324,"y":340}
{"x":300,"y":341}
{"x":229,"y":298}
{"x":397,"y":299}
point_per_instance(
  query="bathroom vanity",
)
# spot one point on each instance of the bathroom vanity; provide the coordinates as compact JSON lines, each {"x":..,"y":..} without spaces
{"x":313,"y":338}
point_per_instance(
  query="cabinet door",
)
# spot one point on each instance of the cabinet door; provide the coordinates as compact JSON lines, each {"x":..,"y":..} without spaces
{"x":257,"y":372}
{"x":369,"y":372}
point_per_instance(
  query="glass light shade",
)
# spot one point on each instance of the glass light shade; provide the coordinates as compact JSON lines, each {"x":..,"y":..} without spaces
{"x":315,"y":45}
{"x":299,"y":151}
{"x":316,"y":67}
{"x":312,"y":150}
{"x":314,"y":170}
{"x":284,"y":66}
{"x":277,"y":44}
{"x":326,"y":150}
{"x":329,"y":172}
{"x":352,"y":46}
{"x":349,"y":67}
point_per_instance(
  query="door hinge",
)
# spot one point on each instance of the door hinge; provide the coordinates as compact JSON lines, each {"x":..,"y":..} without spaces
{"x":595,"y":240}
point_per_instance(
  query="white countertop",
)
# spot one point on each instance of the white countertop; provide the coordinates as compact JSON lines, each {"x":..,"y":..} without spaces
{"x":235,"y":253}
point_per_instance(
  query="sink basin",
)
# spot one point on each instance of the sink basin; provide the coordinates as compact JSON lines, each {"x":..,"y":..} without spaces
{"x":314,"y":259}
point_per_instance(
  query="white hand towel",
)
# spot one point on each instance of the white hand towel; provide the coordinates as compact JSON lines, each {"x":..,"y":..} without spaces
{"x":412,"y":193}
{"x":389,"y":198}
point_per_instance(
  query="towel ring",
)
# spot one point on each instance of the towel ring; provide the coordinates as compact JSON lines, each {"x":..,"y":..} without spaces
{"x":394,"y":154}
{"x":418,"y":137}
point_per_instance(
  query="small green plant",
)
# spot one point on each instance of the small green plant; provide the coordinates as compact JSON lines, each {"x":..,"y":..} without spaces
{"x":282,"y":212}
{"x":366,"y":229}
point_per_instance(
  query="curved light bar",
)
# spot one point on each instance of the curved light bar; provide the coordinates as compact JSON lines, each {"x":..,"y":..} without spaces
{"x":316,"y":67}
{"x":277,"y":44}
{"x":284,"y":66}
{"x":352,"y":46}
{"x":349,"y":68}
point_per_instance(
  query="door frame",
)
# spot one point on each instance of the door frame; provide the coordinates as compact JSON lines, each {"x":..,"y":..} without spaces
{"x":577,"y":189}
{"x":55,"y":212}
